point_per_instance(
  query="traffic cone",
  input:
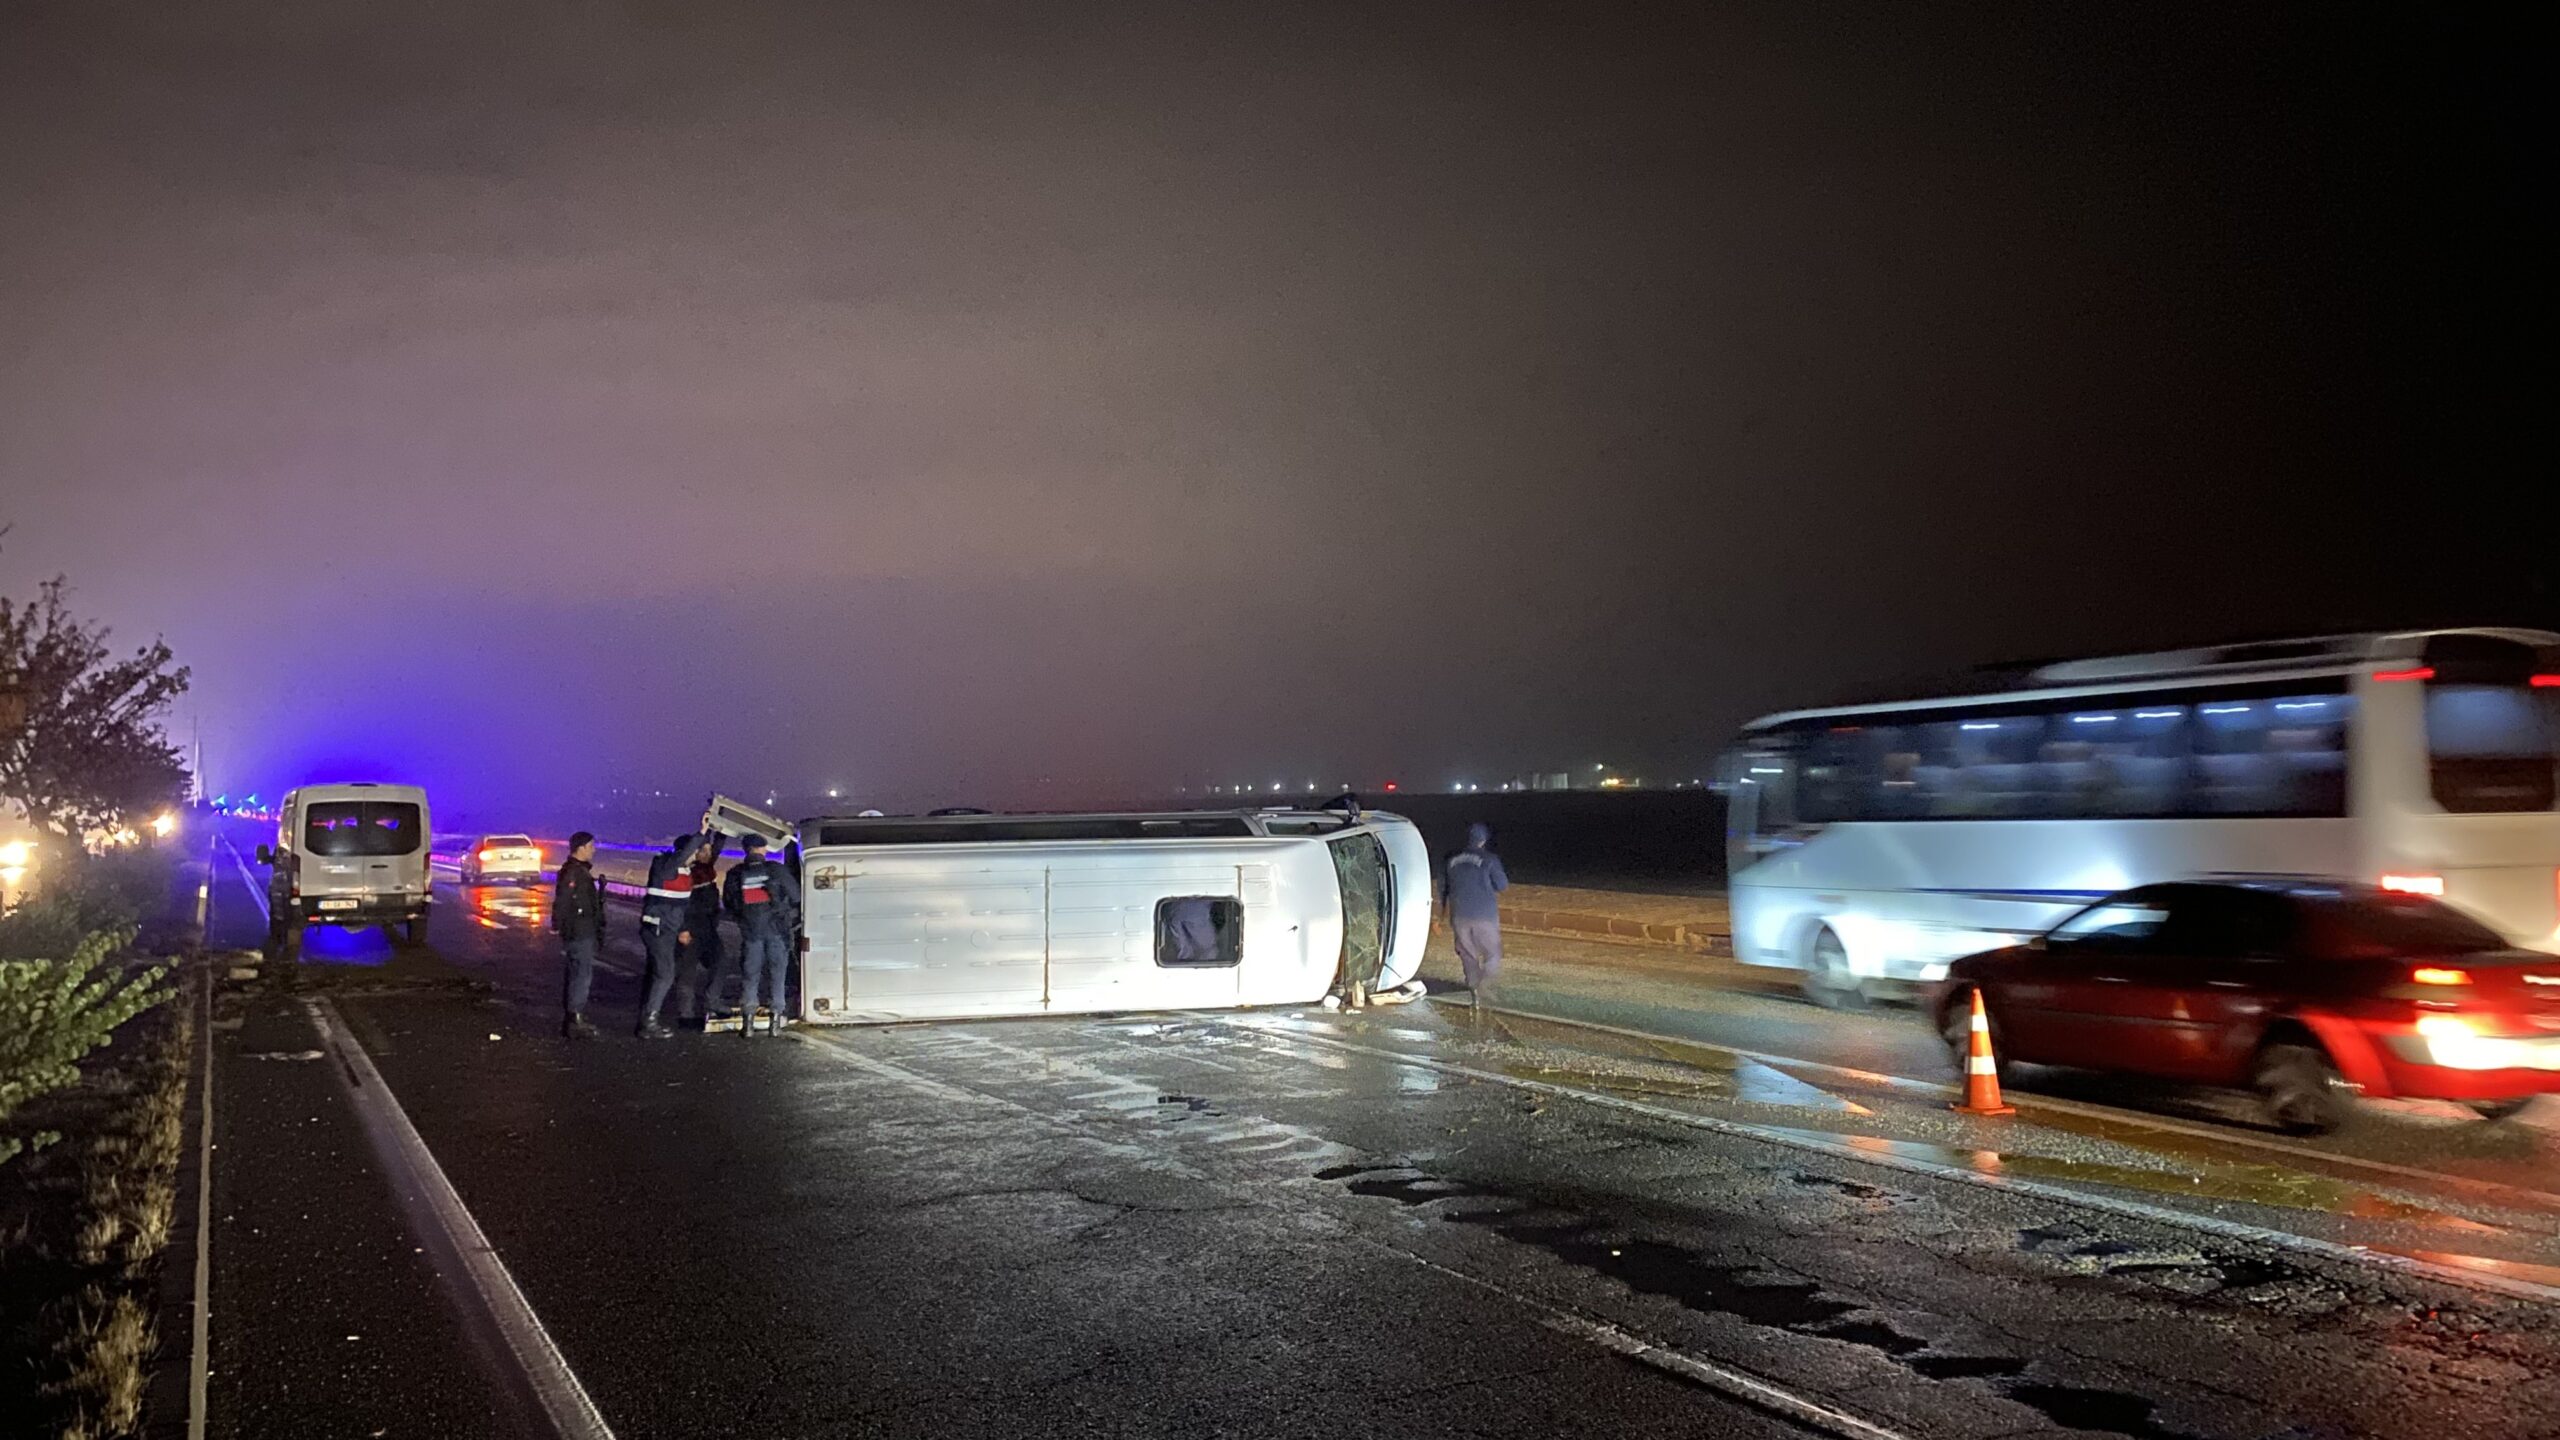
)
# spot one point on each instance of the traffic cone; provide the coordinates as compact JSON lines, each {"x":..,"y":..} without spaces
{"x":1981,"y":1072}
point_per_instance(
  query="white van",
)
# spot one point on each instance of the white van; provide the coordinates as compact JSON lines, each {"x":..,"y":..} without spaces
{"x":349,"y":855}
{"x":975,"y":915}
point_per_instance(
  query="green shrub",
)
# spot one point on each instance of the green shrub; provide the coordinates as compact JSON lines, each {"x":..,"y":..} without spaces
{"x":55,"y":1011}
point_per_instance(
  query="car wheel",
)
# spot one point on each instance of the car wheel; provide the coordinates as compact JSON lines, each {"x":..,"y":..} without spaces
{"x":2303,"y":1092}
{"x":470,"y":877}
{"x":1828,"y":980}
{"x":2498,"y":1109}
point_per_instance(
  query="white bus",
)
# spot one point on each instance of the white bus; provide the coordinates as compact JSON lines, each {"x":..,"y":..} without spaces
{"x":1875,"y":843}
{"x":977,"y":915}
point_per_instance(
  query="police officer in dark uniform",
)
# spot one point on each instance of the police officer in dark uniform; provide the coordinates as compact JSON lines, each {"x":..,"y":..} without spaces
{"x":663,"y":911}
{"x":761,"y":895}
{"x":702,"y":927}
{"x":577,"y":917}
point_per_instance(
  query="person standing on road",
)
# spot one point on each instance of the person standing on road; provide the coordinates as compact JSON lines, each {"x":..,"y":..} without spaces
{"x":577,"y":917}
{"x":1468,"y":888}
{"x":765,"y":901}
{"x":702,"y":922}
{"x":662,"y":923}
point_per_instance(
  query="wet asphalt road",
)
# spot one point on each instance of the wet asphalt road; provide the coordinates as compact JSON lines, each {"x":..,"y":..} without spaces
{"x":1258,"y":1224}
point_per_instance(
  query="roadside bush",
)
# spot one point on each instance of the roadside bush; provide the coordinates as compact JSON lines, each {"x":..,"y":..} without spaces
{"x":53,"y":1012}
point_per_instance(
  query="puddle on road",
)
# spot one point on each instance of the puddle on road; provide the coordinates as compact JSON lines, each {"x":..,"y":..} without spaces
{"x":1751,"y":1293}
{"x":2109,"y":1410}
{"x":2232,"y":1274}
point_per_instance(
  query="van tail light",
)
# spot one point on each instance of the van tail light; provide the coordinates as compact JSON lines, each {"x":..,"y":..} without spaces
{"x":2439,"y":975}
{"x":2415,"y":884}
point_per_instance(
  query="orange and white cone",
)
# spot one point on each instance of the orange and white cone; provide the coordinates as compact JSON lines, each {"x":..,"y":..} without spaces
{"x":1981,"y":1071}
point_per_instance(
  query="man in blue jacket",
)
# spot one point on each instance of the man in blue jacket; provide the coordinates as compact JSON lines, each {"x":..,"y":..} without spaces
{"x":765,"y":901}
{"x":1468,"y":888}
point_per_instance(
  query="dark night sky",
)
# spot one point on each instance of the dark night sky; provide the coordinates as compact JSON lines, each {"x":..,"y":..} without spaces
{"x":928,"y":398}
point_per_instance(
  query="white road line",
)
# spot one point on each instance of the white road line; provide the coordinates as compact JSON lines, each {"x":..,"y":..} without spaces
{"x":249,"y":882}
{"x":200,"y":1357}
{"x":564,"y":1400}
{"x":2445,"y":1271}
{"x":2515,"y":1194}
{"x":1750,"y":1389}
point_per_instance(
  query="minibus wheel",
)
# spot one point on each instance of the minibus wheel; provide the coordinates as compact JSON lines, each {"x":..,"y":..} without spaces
{"x":1828,"y":980}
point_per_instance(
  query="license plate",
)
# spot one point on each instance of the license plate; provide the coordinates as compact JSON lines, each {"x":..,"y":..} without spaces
{"x":337,"y":904}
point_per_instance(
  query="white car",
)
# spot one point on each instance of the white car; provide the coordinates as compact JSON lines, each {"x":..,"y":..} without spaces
{"x":502,"y":860}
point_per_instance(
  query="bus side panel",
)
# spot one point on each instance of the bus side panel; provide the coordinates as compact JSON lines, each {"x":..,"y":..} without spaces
{"x":927,"y":939}
{"x":1907,"y":897}
{"x":1102,"y":931}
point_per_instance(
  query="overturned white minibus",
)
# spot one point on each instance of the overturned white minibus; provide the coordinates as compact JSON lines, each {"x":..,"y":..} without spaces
{"x":977,"y":915}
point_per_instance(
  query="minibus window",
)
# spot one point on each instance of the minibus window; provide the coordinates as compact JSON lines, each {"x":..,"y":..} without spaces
{"x":2493,"y":747}
{"x":342,"y":828}
{"x":1199,"y":932}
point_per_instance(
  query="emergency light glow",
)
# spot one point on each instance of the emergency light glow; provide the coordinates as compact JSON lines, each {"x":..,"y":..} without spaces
{"x":2439,"y":975}
{"x":2414,"y":884}
{"x":2422,"y":672}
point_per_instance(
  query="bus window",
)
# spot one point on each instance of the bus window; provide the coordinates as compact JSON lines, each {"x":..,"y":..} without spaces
{"x":1760,"y":814}
{"x":2492,"y":747}
{"x":2285,"y":755}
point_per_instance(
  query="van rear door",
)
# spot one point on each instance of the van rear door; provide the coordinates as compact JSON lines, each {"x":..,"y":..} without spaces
{"x":361,"y":847}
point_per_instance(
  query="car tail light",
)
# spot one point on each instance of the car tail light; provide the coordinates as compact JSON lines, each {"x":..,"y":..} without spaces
{"x":2440,"y":975}
{"x":2414,"y":884}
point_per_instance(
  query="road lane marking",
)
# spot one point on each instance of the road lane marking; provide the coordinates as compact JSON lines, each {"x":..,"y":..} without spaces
{"x":249,"y":882}
{"x":200,"y":1328}
{"x":2028,"y":1100}
{"x":545,"y":1372}
{"x":2464,"y":1271}
{"x":1734,"y":1384}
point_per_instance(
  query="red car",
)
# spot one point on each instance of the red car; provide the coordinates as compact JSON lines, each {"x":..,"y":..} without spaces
{"x":2310,"y":991}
